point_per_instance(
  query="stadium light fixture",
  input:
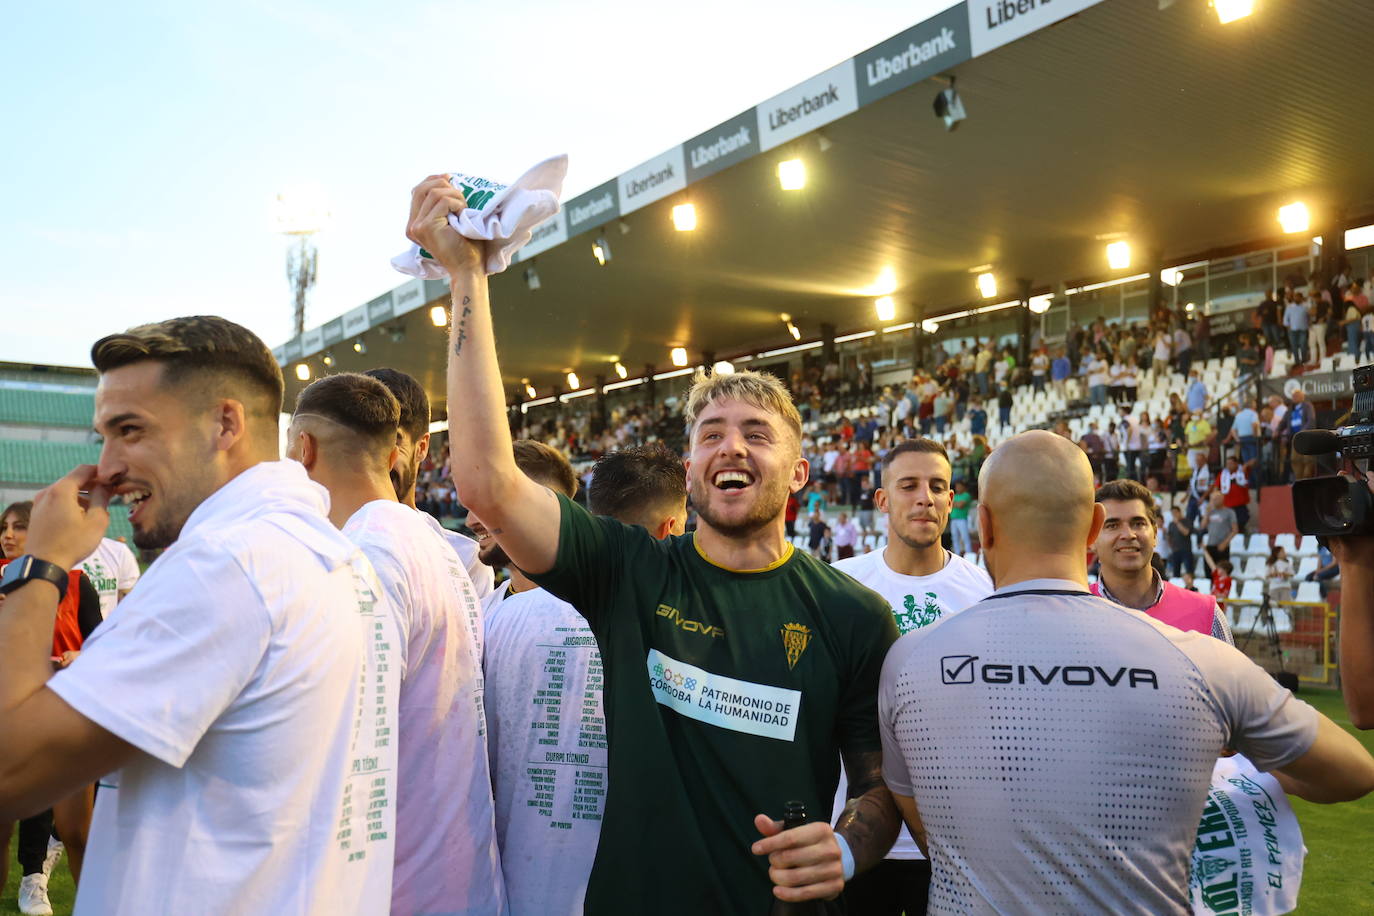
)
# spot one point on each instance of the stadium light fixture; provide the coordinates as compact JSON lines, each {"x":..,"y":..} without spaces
{"x":1119,"y":255}
{"x":930,"y":325}
{"x":303,"y":371}
{"x":328,"y":359}
{"x":684,"y":217}
{"x":792,"y":174}
{"x":532,"y":278}
{"x":1171,"y":276}
{"x":723,"y":367}
{"x":438,"y":316}
{"x":794,"y":331}
{"x":1190,"y":307}
{"x":679,"y":356}
{"x":359,"y":345}
{"x":573,"y":382}
{"x":1039,"y":305}
{"x":987,"y":286}
{"x":1294,"y":217}
{"x":887,"y":308}
{"x":620,"y":370}
{"x":601,"y":250}
{"x":949,"y":107}
{"x":529,"y":389}
{"x":1359,"y":237}
{"x":1231,"y":10}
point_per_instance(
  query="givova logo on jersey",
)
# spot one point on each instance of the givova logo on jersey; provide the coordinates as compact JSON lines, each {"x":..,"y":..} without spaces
{"x":964,"y":669}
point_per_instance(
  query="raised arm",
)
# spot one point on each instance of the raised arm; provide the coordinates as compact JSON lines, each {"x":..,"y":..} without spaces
{"x":522,"y":515}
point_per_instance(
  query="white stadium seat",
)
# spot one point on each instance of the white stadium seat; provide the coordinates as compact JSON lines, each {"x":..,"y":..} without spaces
{"x":1307,"y":547}
{"x":1253,"y":591}
{"x":1309,"y":591}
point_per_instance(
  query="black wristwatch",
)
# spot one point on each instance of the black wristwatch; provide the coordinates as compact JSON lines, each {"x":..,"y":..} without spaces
{"x":27,"y":568}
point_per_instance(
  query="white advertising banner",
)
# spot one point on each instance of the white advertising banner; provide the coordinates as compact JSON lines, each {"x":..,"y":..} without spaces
{"x":653,"y":180}
{"x":993,"y":23}
{"x":807,"y":106}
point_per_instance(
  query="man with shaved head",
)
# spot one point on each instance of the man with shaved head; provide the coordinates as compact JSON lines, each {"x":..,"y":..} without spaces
{"x":1053,"y":750}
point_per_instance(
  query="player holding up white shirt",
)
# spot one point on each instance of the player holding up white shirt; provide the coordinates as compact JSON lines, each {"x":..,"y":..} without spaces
{"x":222,"y":707}
{"x":922,"y":582}
{"x":1055,"y":749}
{"x":547,"y":846}
{"x":344,"y":432}
{"x":113,"y":570}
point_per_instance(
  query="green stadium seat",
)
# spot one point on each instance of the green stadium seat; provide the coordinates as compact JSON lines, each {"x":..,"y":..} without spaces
{"x":46,"y":408}
{"x":40,"y":463}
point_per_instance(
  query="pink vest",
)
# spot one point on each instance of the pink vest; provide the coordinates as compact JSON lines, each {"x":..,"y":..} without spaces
{"x":1180,"y":608}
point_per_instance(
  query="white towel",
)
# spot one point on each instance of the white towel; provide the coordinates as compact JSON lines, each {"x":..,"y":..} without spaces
{"x":501,"y":215}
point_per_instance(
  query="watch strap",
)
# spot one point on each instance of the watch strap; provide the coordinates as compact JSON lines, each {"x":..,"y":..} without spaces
{"x":28,"y":568}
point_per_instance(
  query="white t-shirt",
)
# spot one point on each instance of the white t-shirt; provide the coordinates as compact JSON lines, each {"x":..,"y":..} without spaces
{"x":1097,"y":371}
{"x":251,"y":670}
{"x":548,"y":749}
{"x":1060,"y":749}
{"x":480,"y":575}
{"x":446,"y":854}
{"x":112,"y":569}
{"x":916,"y":601}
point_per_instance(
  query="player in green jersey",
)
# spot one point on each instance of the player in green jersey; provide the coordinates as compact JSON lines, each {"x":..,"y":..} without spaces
{"x":737,"y":671}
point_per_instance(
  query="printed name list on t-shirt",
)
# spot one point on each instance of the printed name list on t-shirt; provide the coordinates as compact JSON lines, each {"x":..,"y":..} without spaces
{"x":742,"y":706}
{"x":368,"y":791}
{"x":569,"y":785}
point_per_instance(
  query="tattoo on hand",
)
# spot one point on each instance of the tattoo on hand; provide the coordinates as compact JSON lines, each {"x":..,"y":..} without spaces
{"x":460,"y":334}
{"x":870,"y":821}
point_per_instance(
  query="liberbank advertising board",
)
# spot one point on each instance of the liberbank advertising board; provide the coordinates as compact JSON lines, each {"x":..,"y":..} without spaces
{"x":919,"y":53}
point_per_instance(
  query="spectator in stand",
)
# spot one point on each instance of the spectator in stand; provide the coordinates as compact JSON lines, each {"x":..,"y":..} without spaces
{"x":1131,"y":380}
{"x":1202,"y":337}
{"x":978,"y":418}
{"x":1093,"y":446}
{"x":1198,"y":434}
{"x":1268,"y":313}
{"x":845,"y":534}
{"x":1060,"y":370}
{"x":1004,"y":402}
{"x":1367,"y":333}
{"x":1245,"y":432}
{"x":1328,"y":569}
{"x":1183,"y":349}
{"x":943,"y":406}
{"x":1135,"y":440}
{"x":1199,"y":485}
{"x":976,"y":456}
{"x":1235,"y":491}
{"x":1116,"y":380}
{"x":1278,"y":576}
{"x":1297,"y":321}
{"x":816,"y":531}
{"x":1040,"y":367}
{"x":863,"y":463}
{"x":1221,"y":526}
{"x":866,"y":492}
{"x":1180,"y":538}
{"x":1351,"y":322}
{"x":1222,"y":581}
{"x":1163,"y":352}
{"x":1302,"y":415}
{"x":1099,"y":374}
{"x":958,"y":518}
{"x":790,"y":515}
{"x":1196,"y":398}
{"x":843,"y":469}
{"x":1248,"y":358}
{"x":1321,"y":318}
{"x":982,"y":365}
{"x":1111,"y":456}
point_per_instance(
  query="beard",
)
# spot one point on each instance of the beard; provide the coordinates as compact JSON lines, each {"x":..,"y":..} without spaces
{"x":403,"y":479}
{"x":491,"y":554}
{"x":769,"y":505}
{"x":172,"y":516}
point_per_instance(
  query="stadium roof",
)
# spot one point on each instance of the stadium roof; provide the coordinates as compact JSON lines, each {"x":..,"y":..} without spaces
{"x":1164,"y":126}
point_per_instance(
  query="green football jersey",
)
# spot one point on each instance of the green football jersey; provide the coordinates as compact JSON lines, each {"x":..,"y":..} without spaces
{"x":727,"y":694}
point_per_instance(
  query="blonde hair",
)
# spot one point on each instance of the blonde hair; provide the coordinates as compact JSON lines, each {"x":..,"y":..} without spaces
{"x":760,"y":389}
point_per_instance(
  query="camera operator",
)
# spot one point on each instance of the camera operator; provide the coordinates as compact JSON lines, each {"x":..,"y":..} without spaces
{"x":1355,"y":554}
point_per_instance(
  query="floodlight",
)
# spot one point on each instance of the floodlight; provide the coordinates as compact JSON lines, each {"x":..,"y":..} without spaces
{"x":1171,"y":276}
{"x":794,"y":331}
{"x":328,"y":359}
{"x":359,"y":345}
{"x":949,"y":107}
{"x":887,"y":309}
{"x":1294,"y":217}
{"x":439,"y":316}
{"x":684,"y":217}
{"x":930,"y":325}
{"x":724,"y":367}
{"x":620,"y":370}
{"x":1119,"y":255}
{"x":679,"y":356}
{"x":1231,"y":10}
{"x":573,"y":382}
{"x":792,"y":174}
{"x":532,"y":277}
{"x":987,"y":285}
{"x":601,"y":250}
{"x":303,"y":372}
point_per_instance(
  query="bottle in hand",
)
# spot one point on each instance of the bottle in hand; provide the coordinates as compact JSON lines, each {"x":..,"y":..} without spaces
{"x":794,"y":815}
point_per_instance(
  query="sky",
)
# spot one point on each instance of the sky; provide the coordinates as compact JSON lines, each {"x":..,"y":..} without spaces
{"x":145,"y":143}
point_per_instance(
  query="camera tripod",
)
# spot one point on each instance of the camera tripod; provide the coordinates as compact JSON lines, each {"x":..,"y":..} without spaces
{"x":1270,"y":634}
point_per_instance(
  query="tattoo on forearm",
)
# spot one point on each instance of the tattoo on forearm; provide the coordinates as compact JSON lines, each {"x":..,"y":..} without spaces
{"x":460,"y":332}
{"x":870,"y":821}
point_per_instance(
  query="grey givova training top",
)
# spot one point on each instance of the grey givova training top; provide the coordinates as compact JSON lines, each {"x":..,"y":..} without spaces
{"x":1060,"y":747}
